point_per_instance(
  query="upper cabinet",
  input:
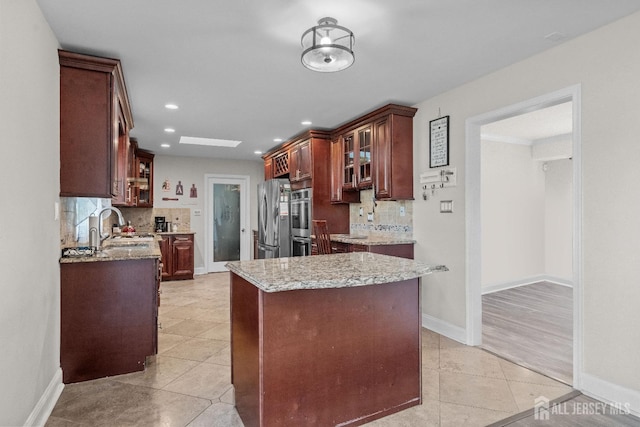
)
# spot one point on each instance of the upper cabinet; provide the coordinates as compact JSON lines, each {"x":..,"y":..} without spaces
{"x":377,"y":151}
{"x":300,"y":161}
{"x":143,"y":184}
{"x":95,"y":119}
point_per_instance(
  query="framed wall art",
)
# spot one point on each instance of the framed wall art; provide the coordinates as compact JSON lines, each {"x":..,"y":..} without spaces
{"x":439,"y":142}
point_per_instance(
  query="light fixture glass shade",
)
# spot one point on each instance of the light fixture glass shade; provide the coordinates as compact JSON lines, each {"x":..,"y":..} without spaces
{"x":327,"y":47}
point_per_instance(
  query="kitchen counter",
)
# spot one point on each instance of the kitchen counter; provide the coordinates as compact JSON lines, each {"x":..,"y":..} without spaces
{"x":329,"y":271}
{"x":340,"y":347}
{"x":120,"y":249}
{"x":371,"y":239}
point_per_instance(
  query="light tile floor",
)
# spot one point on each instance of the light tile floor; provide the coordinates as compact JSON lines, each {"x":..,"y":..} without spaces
{"x":189,"y":384}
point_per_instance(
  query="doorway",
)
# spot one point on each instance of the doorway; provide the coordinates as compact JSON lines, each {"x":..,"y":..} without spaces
{"x":227,"y":220}
{"x":476,"y":245}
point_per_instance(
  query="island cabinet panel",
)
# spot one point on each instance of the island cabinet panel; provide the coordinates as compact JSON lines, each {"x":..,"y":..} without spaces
{"x":108,"y":317}
{"x":324,"y":357}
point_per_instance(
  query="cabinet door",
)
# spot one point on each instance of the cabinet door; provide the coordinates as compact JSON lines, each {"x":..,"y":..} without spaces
{"x":85,"y":133}
{"x":300,"y":162}
{"x":144,"y":174}
{"x":364,"y":145}
{"x":268,"y":168}
{"x":182,"y":257}
{"x":165,"y":249}
{"x":336,"y":170}
{"x":349,"y":173}
{"x":382,"y":159}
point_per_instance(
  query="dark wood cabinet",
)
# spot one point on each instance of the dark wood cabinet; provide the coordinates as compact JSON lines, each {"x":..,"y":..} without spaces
{"x":356,"y":159}
{"x":337,"y":175}
{"x":377,"y":151}
{"x":108,"y":317}
{"x":307,"y":158}
{"x":143,"y":186}
{"x":268,"y":168}
{"x":95,"y":119}
{"x":177,"y":256}
{"x":393,"y":156}
{"x":300,"y":162}
{"x":403,"y":250}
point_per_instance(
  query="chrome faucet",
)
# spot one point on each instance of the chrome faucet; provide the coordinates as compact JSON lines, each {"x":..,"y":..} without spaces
{"x":120,"y":219}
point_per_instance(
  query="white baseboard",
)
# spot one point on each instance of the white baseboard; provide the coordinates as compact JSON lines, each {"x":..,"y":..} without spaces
{"x":616,"y":395}
{"x":446,"y":329}
{"x":199,"y":270}
{"x":489,"y":289}
{"x":43,"y":408}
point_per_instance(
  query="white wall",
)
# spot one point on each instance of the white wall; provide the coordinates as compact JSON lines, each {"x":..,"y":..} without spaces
{"x":29,"y":234}
{"x":606,"y":63}
{"x":558,"y":220}
{"x":513,"y":214}
{"x":192,"y":170}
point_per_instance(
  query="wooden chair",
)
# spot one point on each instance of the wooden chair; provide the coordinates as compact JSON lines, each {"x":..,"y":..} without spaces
{"x":323,"y":240}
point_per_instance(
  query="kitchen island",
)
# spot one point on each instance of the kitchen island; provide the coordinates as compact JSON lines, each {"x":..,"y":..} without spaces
{"x":325,"y":340}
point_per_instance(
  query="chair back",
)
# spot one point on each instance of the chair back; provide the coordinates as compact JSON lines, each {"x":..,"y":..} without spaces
{"x":323,"y":240}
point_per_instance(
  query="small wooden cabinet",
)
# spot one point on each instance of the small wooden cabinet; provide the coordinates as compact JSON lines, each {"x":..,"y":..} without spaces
{"x":300,"y":161}
{"x":95,"y":119}
{"x":177,"y":256}
{"x":143,"y":187}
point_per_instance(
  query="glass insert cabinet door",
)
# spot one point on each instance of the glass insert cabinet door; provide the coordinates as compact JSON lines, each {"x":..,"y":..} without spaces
{"x":226,"y":222}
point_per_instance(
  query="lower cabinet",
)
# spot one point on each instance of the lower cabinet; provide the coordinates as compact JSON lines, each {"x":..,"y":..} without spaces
{"x":177,"y":256}
{"x":403,"y":250}
{"x":108,"y":317}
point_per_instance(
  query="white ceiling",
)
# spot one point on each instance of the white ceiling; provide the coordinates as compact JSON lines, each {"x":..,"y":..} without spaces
{"x":532,"y":126}
{"x":234,"y":67}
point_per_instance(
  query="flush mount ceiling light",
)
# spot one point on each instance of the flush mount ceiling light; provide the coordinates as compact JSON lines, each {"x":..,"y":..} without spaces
{"x":327,"y":47}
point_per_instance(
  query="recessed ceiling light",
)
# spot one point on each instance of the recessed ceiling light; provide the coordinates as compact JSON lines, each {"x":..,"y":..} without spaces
{"x":257,"y":152}
{"x":171,"y":106}
{"x":169,"y":130}
{"x":208,"y":141}
{"x":306,"y":122}
{"x":277,"y":140}
{"x":165,"y":145}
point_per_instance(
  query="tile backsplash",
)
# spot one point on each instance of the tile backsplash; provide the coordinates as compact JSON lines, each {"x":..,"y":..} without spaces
{"x":387,"y":216}
{"x":75,"y":213}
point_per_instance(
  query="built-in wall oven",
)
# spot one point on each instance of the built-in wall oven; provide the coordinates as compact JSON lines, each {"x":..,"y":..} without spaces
{"x":300,"y":215}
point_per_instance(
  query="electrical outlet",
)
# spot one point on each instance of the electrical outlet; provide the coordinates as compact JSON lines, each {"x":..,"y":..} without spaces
{"x":370,"y":216}
{"x":360,"y":211}
{"x":197,"y":212}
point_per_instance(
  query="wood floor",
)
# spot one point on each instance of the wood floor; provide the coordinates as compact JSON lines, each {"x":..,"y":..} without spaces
{"x":532,"y":326}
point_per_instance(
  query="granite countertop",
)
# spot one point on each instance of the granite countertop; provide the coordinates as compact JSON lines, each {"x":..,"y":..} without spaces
{"x":168,"y":233}
{"x":371,"y":239}
{"x":329,"y":271}
{"x":121,"y":249}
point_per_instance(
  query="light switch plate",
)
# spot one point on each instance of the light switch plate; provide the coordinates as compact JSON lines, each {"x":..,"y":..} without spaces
{"x":446,"y":206}
{"x":402,"y":211}
{"x":197,"y":212}
{"x":370,"y":216}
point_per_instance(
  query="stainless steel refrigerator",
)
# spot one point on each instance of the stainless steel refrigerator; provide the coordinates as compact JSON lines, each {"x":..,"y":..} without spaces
{"x":274,"y":228}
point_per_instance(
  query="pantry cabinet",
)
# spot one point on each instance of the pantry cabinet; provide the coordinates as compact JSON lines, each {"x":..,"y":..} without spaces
{"x":177,"y":256}
{"x":95,"y":119}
